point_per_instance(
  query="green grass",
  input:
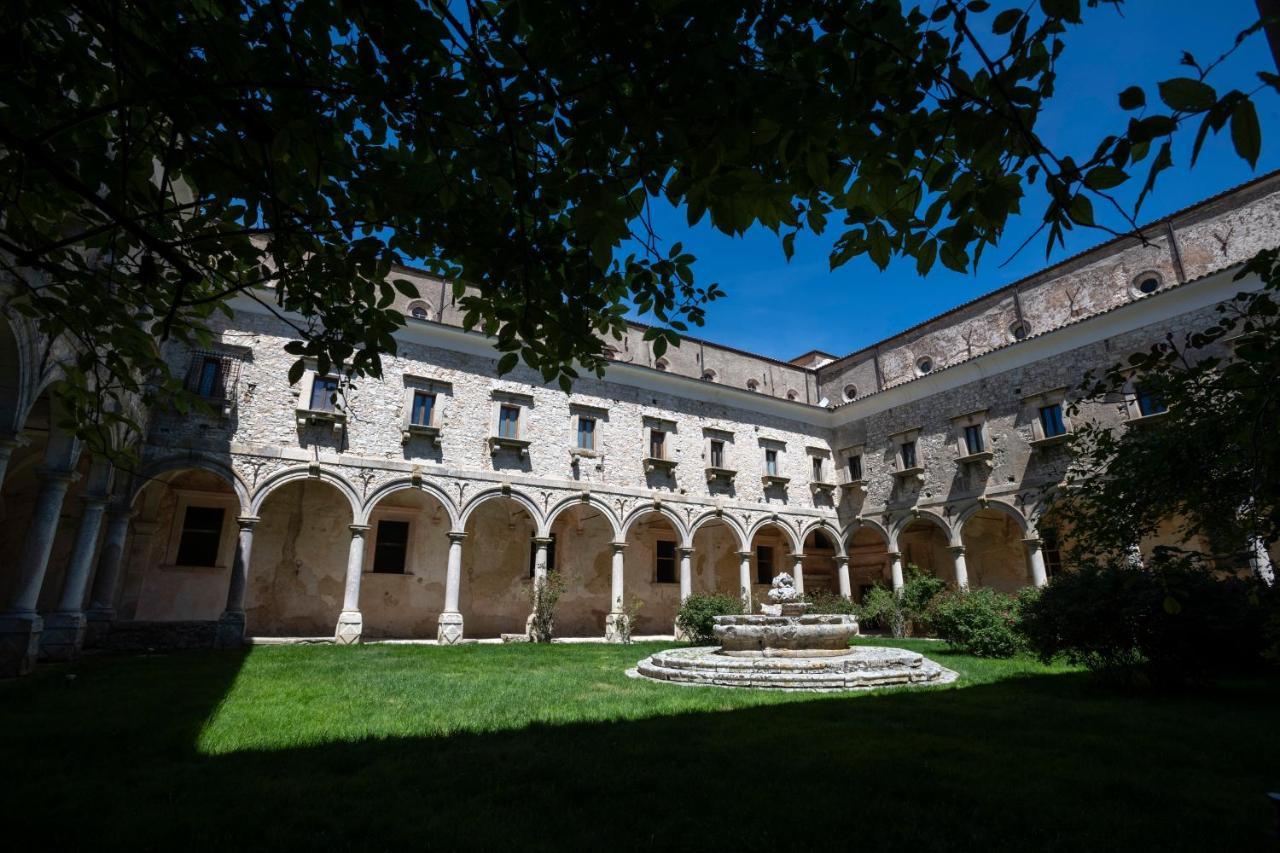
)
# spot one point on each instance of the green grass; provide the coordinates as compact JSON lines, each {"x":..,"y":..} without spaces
{"x":552,"y":747}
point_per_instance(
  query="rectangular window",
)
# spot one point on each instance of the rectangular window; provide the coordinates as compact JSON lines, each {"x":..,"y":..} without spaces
{"x":201,"y":534}
{"x":586,"y":433}
{"x":1052,"y":550}
{"x":817,"y":469}
{"x":855,"y":468}
{"x":424,"y":405}
{"x":551,"y":555}
{"x":1051,"y":420}
{"x":717,"y":454}
{"x":324,"y":390}
{"x":665,"y":561}
{"x":1150,"y":403}
{"x":657,"y":444}
{"x":764,"y":564}
{"x":392,"y":547}
{"x":973,"y":439}
{"x":771,"y":463}
{"x":509,"y":421}
{"x":908,"y":455}
{"x":209,"y":381}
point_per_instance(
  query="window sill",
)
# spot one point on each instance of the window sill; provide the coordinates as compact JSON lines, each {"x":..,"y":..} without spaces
{"x":520,"y":446}
{"x":312,"y":417}
{"x":854,"y":486}
{"x":714,"y":473}
{"x":222,"y":406}
{"x":1053,"y":440}
{"x":914,"y":473}
{"x":822,"y":487}
{"x":1144,"y":420}
{"x":430,"y":433}
{"x":774,"y":480}
{"x":652,"y":463}
{"x":584,"y":452}
{"x":985,"y":459}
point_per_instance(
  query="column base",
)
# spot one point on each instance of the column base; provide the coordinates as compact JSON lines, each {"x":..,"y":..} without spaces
{"x":449,"y":629}
{"x":614,"y":625}
{"x":350,"y":626}
{"x":97,"y":627}
{"x":680,"y":635}
{"x":230,"y":634}
{"x":63,"y":636}
{"x":19,"y":644}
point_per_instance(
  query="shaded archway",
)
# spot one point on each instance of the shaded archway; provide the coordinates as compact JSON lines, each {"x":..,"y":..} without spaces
{"x":406,"y":554}
{"x":773,"y":552}
{"x":925,"y":542}
{"x":868,"y":550}
{"x":651,"y":575}
{"x":581,"y":553}
{"x":497,"y":565}
{"x":995,"y":548}
{"x":820,"y":570}
{"x":298,"y":565}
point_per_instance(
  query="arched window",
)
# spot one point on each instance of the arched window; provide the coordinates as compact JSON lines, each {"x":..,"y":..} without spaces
{"x":793,"y":394}
{"x":661,"y":364}
{"x":753,"y":385}
{"x":420,"y":310}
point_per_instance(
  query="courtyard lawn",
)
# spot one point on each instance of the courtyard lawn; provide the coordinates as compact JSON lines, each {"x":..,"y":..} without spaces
{"x":537,"y":747}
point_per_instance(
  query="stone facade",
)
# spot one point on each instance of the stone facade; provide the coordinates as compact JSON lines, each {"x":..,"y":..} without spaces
{"x":301,"y":501}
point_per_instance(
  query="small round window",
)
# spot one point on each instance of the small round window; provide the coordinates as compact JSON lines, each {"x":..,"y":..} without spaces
{"x":793,"y":394}
{"x":753,"y":385}
{"x":661,"y":364}
{"x":709,"y":375}
{"x":420,"y":311}
{"x":1018,"y":331}
{"x":1146,"y":283}
{"x":850,"y":392}
{"x":924,"y":365}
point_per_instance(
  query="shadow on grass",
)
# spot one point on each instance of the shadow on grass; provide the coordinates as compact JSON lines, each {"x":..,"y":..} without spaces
{"x":1050,"y":762}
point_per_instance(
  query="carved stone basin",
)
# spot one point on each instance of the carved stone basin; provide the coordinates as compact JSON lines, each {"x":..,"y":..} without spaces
{"x":784,"y":636}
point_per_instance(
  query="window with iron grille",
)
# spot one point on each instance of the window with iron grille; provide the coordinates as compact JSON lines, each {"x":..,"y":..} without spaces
{"x":213,"y":375}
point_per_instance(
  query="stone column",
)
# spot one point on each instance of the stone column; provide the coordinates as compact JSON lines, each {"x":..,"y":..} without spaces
{"x":1035,"y":560}
{"x":842,"y":577}
{"x":797,"y":572}
{"x":895,"y":570}
{"x":744,"y":579}
{"x":20,"y":625}
{"x":612,"y":632}
{"x":686,"y":572}
{"x":64,"y":629}
{"x":8,"y":444}
{"x":449,"y":626}
{"x":540,"y":544}
{"x":961,"y":567}
{"x":350,"y":622}
{"x":231,"y":623}
{"x":1260,"y":561}
{"x":102,"y":598}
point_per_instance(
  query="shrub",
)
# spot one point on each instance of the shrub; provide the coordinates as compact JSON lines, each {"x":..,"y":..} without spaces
{"x":982,"y":622}
{"x":823,"y":601}
{"x":882,"y":609}
{"x":1172,"y":621}
{"x":906,"y":613}
{"x":543,"y":598}
{"x":697,"y":615}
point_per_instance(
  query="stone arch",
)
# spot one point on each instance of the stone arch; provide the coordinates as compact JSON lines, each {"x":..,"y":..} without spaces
{"x":927,"y":545}
{"x":788,"y":532}
{"x":394,"y":486}
{"x":580,"y":500}
{"x":744,"y":541}
{"x":1024,"y":524}
{"x":153,"y":470}
{"x":667,"y":512}
{"x":993,"y":534}
{"x":828,"y":528}
{"x":927,"y":516}
{"x":290,"y":475}
{"x":866,"y":543}
{"x":501,"y":492}
{"x":860,"y":524}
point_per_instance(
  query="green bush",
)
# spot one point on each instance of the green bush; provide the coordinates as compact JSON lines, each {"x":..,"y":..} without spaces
{"x":697,"y":615}
{"x":882,"y":609}
{"x":1170,"y":622}
{"x":823,"y":601}
{"x":982,"y":622}
{"x":906,"y":613}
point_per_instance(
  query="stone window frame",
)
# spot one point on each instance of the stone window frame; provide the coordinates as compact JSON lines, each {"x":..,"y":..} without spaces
{"x":849,"y":392}
{"x":918,"y":364}
{"x":753,"y":385}
{"x":523,"y":403}
{"x":413,"y":515}
{"x":1132,"y":408}
{"x":977,"y":418}
{"x":709,"y":375}
{"x":726,"y":471}
{"x":779,"y":448}
{"x":432,"y":431}
{"x":600,"y":415}
{"x":308,"y":416}
{"x":661,"y":364}
{"x":1135,"y":283}
{"x":755,"y":564}
{"x":900,"y":469}
{"x":231,"y":358}
{"x":226,"y":539}
{"x":793,"y":395}
{"x":668,"y":428}
{"x":823,"y":456}
{"x":423,"y":304}
{"x":1013,"y":330}
{"x":675,"y":562}
{"x":1033,"y":403}
{"x":846,"y":481}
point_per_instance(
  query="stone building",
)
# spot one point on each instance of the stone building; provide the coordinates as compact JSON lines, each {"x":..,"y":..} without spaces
{"x":423,"y":504}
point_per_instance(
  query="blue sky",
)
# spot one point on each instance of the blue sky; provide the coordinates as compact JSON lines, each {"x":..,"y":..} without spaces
{"x":782,"y":309}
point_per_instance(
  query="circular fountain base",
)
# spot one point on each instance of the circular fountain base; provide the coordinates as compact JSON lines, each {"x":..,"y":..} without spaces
{"x":860,"y":668}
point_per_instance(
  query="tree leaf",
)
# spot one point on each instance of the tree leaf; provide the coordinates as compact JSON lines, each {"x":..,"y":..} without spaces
{"x":1133,"y":98}
{"x":1187,"y":94}
{"x":1246,"y":135}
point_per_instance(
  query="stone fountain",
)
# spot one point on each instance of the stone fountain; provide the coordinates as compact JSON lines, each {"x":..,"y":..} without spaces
{"x":784,"y":648}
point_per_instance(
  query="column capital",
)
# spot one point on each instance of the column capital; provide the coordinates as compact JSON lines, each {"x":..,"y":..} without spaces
{"x":956,"y":550}
{"x":1033,"y":542}
{"x":57,"y":475}
{"x":359,"y":529}
{"x":746,"y":555}
{"x":795,"y":555}
{"x":457,"y":535}
{"x":94,"y":500}
{"x":247,"y":522}
{"x":841,"y":559}
{"x":542,"y":541}
{"x":685,"y":550}
{"x":618,"y":547}
{"x":895,"y":555}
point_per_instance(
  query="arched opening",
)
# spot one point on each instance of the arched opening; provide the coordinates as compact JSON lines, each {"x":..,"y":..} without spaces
{"x":298,"y":566}
{"x":497,"y":568}
{"x":923,"y":544}
{"x":868,"y":551}
{"x":178,"y":559}
{"x":581,"y":553}
{"x":651,"y":579}
{"x":820,"y":562}
{"x":405,"y":559}
{"x":772,"y":554}
{"x":995,"y":552}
